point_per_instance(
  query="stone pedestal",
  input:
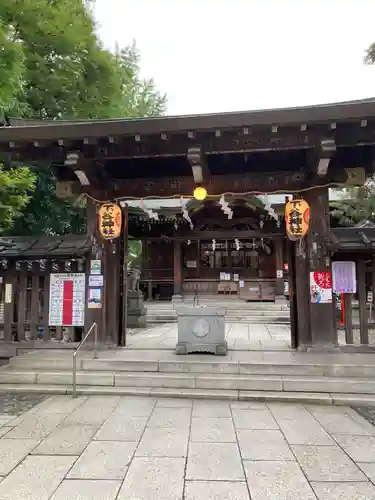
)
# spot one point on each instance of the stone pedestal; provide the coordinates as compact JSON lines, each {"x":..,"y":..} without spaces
{"x":201,"y":329}
{"x":136,"y":308}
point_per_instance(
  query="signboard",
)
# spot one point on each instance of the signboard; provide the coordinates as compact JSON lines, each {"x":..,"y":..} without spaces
{"x":191,"y":264}
{"x":8,"y":293}
{"x":95,"y":298}
{"x":224,"y":276}
{"x":242,"y":284}
{"x":96,"y":280}
{"x":67,"y":299}
{"x":344,"y":277}
{"x":95,"y":267}
{"x":279,"y":273}
{"x":236,"y":277}
{"x":321,"y":287}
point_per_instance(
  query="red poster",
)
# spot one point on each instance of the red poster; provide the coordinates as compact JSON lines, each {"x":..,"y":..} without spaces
{"x":323,"y":279}
{"x":67,"y":306}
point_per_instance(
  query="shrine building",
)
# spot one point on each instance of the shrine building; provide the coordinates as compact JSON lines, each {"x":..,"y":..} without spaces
{"x":205,"y":194}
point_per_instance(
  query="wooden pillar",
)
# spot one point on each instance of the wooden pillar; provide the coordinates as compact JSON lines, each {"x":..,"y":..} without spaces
{"x":22,"y":301}
{"x":177,"y":289}
{"x":198,"y":271}
{"x":47,"y":280}
{"x":362,"y":298}
{"x":302,"y":296}
{"x":279,"y":258}
{"x":292,"y":295}
{"x":322,"y":307}
{"x":34,"y":314}
{"x":94,"y":315}
{"x":228,"y":246}
{"x":149,"y":290}
{"x":348,"y":318}
{"x":9,"y":302}
{"x":112,"y":291}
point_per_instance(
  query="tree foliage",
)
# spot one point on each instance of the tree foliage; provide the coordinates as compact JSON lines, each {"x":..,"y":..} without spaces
{"x":370,"y":54}
{"x":53,"y":66}
{"x":16,"y":185}
{"x":47,"y":214}
{"x":357,"y":205}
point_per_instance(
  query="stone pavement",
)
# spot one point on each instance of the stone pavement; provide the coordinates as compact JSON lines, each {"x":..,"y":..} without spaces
{"x":240,"y":337}
{"x":122,"y":448}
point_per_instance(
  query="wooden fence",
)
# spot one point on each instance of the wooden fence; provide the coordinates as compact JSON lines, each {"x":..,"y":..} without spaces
{"x":24,"y":299}
{"x":358,"y":310}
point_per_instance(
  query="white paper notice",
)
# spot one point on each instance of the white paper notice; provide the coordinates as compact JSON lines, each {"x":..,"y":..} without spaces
{"x":67,"y":299}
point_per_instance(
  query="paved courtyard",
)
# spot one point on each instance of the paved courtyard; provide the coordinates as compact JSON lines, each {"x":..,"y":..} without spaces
{"x":111,"y":447}
{"x":240,"y":336}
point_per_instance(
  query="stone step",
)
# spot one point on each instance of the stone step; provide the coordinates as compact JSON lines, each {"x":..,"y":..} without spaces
{"x":236,"y":382}
{"x":253,"y":320}
{"x":230,"y":302}
{"x":228,"y":307}
{"x":267,"y":396}
{"x":315,"y":370}
{"x":238,"y":312}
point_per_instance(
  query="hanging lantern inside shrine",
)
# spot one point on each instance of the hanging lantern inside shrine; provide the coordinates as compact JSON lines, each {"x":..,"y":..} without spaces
{"x":297,"y":217}
{"x":110,"y":217}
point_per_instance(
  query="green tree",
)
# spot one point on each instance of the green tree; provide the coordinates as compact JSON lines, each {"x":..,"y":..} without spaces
{"x":47,"y":214}
{"x":60,"y":70}
{"x":139,"y":96}
{"x":12,"y":70}
{"x":356,"y":206}
{"x":16,"y":185}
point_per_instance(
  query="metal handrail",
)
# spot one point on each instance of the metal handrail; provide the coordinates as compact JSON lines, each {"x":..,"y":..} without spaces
{"x":93,"y":327}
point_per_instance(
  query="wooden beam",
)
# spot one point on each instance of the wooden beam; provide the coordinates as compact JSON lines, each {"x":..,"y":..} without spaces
{"x":326,"y":151}
{"x":97,"y":141}
{"x":198,"y":164}
{"x":355,"y":111}
{"x":265,"y":182}
{"x":365,"y":240}
{"x":218,"y":235}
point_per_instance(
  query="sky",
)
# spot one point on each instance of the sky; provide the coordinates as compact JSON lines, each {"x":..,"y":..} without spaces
{"x":228,"y":55}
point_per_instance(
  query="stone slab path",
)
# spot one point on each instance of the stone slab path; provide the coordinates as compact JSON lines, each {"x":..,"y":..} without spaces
{"x":123,"y":448}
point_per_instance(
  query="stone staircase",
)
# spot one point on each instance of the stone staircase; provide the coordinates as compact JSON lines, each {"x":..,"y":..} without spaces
{"x":310,"y":378}
{"x":237,"y":310}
